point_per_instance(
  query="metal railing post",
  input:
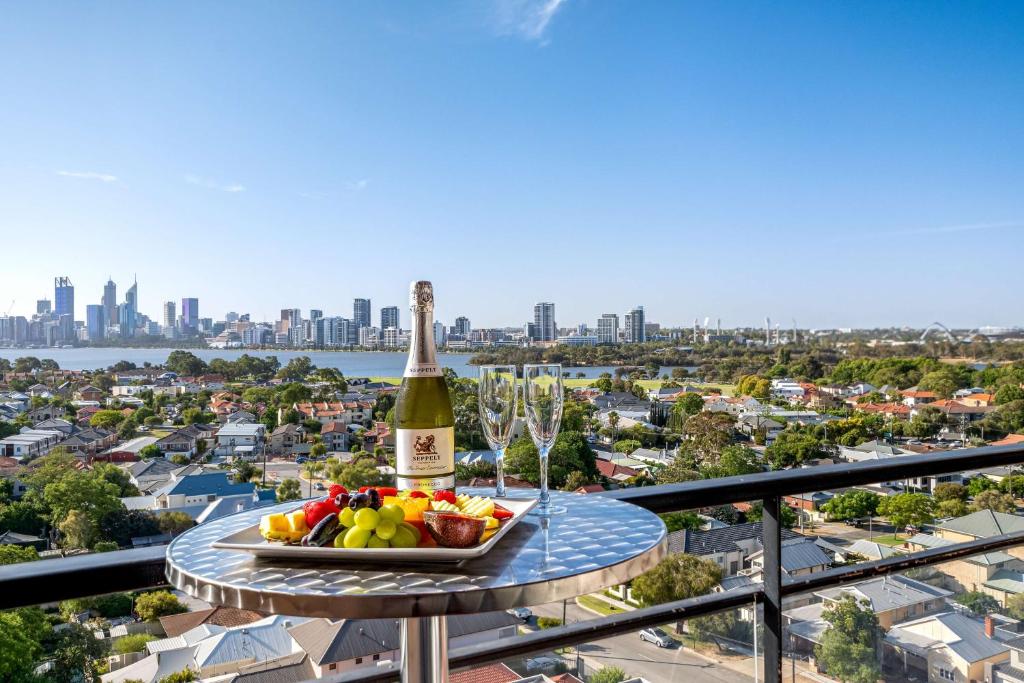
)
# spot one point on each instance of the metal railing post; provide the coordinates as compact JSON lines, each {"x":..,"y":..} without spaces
{"x":771,"y":535}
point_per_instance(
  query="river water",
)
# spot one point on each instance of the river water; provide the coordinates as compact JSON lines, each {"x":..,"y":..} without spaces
{"x":350,"y":363}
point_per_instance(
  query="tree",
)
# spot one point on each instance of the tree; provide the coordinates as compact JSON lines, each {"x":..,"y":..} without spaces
{"x":245,"y":471}
{"x":608,"y":674}
{"x":174,"y":523}
{"x":288,"y":489}
{"x":571,"y":453}
{"x":977,"y":602}
{"x":84,"y":492}
{"x":904,"y":509}
{"x":953,"y":507}
{"x":853,"y":504}
{"x":979,"y":484}
{"x":950,"y":491}
{"x":183,"y":676}
{"x":297,"y":369}
{"x":151,"y":606}
{"x":707,"y":434}
{"x":318,"y":450}
{"x":75,"y":653}
{"x":185,"y":363}
{"x":674,"y":521}
{"x":734,"y":460}
{"x":78,"y":530}
{"x":847,"y":650}
{"x":135,"y":642}
{"x":21,"y":632}
{"x":150,"y":451}
{"x":995,"y":501}
{"x":787,"y":516}
{"x":1015,"y":606}
{"x":576,"y":480}
{"x":627,"y":446}
{"x":14,"y":554}
{"x":105,"y":546}
{"x":682,"y":468}
{"x":677,"y":577}
{"x":358,"y":473}
{"x":792,"y":448}
{"x":106,"y":419}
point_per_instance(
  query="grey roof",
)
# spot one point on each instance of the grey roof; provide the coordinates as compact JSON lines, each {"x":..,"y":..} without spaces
{"x":971,"y":644}
{"x":721,"y":540}
{"x":984,"y":559}
{"x":14,"y":538}
{"x":1007,"y":581}
{"x":738,"y":581}
{"x":870,"y":549}
{"x":984,"y":524}
{"x":800,"y":553}
{"x":888,"y":592}
{"x":339,"y":641}
{"x":294,"y":668}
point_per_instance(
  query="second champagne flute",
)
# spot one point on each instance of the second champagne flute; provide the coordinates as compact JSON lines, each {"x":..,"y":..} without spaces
{"x":542,"y":399}
{"x":496,"y":395}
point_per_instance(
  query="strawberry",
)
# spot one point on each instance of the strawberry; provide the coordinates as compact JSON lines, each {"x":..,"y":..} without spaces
{"x":316,"y":510}
{"x":501,"y":513}
{"x":335,"y":490}
{"x":446,"y":496}
{"x":363,"y":489}
{"x":387,"y":491}
{"x":418,"y":494}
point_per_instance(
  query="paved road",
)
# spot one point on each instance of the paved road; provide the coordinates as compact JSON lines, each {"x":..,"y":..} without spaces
{"x":638,"y":658}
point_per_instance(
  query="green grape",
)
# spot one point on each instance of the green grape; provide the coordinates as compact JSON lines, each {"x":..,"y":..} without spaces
{"x":377,"y":542}
{"x":386,"y":529}
{"x":412,"y":529}
{"x":367,"y":519}
{"x":403,"y":538}
{"x":347,"y":518}
{"x":357,"y":538}
{"x":392,"y":513}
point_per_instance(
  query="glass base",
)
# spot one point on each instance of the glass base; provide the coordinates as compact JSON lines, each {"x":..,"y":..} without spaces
{"x":549,"y":511}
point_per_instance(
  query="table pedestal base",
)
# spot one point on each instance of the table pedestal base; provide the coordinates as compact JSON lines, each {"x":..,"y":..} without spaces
{"x":425,"y":650}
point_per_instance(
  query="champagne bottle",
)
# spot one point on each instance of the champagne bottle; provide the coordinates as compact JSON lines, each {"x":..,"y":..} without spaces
{"x":425,"y":438}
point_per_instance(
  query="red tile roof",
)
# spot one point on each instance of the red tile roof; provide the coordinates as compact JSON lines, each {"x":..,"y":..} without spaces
{"x":176,"y":624}
{"x":1009,"y":440}
{"x":590,"y":488}
{"x":492,"y":673}
{"x":919,"y":394}
{"x":609,"y":469}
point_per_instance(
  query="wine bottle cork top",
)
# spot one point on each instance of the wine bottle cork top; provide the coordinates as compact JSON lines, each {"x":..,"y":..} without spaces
{"x":421,"y":295}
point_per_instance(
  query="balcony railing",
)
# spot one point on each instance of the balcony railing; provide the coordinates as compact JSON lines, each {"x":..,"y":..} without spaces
{"x":50,"y":581}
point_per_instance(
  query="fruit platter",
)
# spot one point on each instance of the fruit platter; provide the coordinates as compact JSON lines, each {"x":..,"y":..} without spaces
{"x":383,"y":524}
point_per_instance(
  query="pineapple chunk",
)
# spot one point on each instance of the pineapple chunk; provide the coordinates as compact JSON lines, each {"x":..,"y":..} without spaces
{"x":278,"y":522}
{"x":479,"y":506}
{"x":492,"y":523}
{"x":297,"y":522}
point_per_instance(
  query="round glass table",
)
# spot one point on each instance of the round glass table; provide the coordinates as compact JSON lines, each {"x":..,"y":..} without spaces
{"x":598,"y":543}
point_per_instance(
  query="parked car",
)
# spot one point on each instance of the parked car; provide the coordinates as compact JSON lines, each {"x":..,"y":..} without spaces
{"x":301,"y":459}
{"x":523,"y":613}
{"x":657,"y":636}
{"x":319,"y":486}
{"x":542,"y":663}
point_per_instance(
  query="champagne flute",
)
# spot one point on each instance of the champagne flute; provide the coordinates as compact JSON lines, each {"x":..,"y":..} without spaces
{"x":497,"y":396}
{"x":542,"y":398}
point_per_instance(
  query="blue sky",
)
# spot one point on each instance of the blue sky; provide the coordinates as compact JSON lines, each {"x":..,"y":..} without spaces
{"x":843,"y":164}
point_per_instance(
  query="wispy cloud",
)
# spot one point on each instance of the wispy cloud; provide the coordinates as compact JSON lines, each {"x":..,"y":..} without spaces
{"x":964,"y":227}
{"x":357,"y":185}
{"x":527,"y":19}
{"x":212,"y":184}
{"x":89,"y":175}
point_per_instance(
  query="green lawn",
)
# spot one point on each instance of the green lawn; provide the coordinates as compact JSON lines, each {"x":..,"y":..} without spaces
{"x":598,"y":605}
{"x":889,"y":539}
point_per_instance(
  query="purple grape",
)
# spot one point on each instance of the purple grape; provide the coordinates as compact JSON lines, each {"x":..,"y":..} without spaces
{"x":341,"y":500}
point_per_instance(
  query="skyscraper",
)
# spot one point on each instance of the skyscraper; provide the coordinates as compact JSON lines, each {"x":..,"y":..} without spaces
{"x":43,"y":307}
{"x":634,"y":326}
{"x":190,"y":315}
{"x":608,"y":329}
{"x":128,"y":311}
{"x":545,"y":328}
{"x":290,"y":317}
{"x":170,"y":317}
{"x":463,"y":327}
{"x":110,"y":302}
{"x":315,"y":314}
{"x":361,"y":313}
{"x":95,"y":321}
{"x":63,"y":297}
{"x":389,"y":317}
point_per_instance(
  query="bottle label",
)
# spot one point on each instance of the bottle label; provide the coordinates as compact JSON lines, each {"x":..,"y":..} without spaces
{"x":413,"y":369}
{"x":425,"y":452}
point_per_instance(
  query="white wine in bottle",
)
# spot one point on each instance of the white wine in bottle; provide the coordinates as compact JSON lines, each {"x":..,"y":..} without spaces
{"x":425,"y":438}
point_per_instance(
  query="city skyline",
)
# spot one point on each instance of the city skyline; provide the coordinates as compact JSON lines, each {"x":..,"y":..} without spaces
{"x":709,"y":160}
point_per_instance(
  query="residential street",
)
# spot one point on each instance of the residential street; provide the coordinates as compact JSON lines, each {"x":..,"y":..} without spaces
{"x":638,"y":658}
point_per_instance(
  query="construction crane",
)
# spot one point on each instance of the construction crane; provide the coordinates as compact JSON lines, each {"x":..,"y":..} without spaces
{"x":10,"y":308}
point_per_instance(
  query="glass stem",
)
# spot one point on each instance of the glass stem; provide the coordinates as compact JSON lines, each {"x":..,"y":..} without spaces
{"x":499,"y":464}
{"x":544,"y":497}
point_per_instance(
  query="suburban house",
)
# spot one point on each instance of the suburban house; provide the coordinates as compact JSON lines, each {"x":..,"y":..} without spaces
{"x":151,"y":475}
{"x":879,"y":450}
{"x":892,"y":598}
{"x":128,"y":450}
{"x":729,"y":547}
{"x":335,"y":436}
{"x":759,"y":426}
{"x":240,"y":440}
{"x":203,"y":488}
{"x":800,"y":556}
{"x":1011,"y":671}
{"x":914,"y":397}
{"x":89,"y":393}
{"x":284,"y":438}
{"x":185,"y":441}
{"x":29,"y":443}
{"x":345,"y":412}
{"x":945,"y":647}
{"x":981,"y":524}
{"x":89,"y":441}
{"x":997,"y":572}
